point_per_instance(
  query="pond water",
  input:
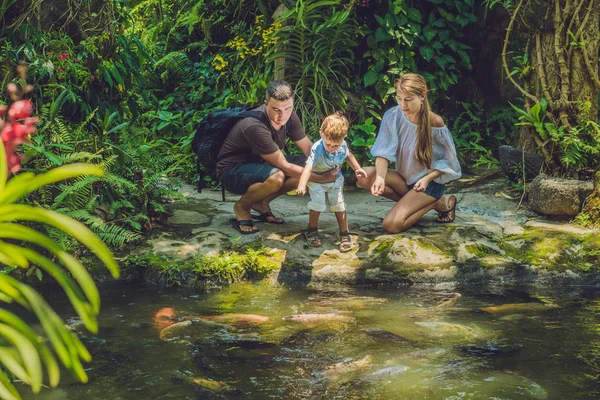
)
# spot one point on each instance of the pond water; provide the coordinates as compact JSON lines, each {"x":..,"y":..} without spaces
{"x":259,"y":341}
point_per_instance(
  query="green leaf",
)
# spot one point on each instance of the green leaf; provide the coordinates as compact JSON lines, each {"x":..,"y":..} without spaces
{"x":462,"y":21}
{"x":429,"y":32}
{"x":52,"y":157}
{"x":415,"y":15}
{"x":381,"y":35}
{"x":426,"y":52}
{"x":450,"y":17}
{"x":358,"y":142}
{"x":370,"y":78}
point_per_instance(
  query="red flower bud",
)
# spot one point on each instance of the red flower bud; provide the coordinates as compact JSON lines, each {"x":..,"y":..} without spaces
{"x":20,"y":109}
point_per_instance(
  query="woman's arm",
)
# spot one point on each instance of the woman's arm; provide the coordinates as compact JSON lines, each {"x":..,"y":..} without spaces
{"x":381,"y":167}
{"x":422,"y":183}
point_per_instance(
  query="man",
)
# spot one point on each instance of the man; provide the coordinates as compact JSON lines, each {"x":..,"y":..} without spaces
{"x":256,"y":167}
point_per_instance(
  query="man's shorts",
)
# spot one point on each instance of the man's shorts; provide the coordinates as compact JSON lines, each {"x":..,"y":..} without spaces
{"x":238,"y":179}
{"x":323,"y":193}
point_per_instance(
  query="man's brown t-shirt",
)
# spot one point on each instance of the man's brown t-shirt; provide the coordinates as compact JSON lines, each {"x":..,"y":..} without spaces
{"x":249,"y":138}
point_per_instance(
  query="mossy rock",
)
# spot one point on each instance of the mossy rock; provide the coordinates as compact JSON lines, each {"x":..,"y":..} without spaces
{"x":555,"y":249}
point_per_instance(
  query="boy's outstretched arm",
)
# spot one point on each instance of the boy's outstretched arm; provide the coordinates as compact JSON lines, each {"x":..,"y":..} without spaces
{"x":355,"y":165}
{"x":304,"y":179}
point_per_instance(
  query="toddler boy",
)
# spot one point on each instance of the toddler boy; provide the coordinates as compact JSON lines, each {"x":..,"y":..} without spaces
{"x":328,"y":153}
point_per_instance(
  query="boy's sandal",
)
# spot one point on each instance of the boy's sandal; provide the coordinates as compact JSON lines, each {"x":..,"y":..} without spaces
{"x":446,"y":217}
{"x":346,"y":243}
{"x":312,"y":237}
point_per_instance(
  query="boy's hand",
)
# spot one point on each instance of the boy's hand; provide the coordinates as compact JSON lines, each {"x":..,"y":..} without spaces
{"x":359,"y":172}
{"x":301,"y":190}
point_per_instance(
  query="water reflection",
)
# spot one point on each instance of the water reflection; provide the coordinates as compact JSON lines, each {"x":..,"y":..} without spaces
{"x":258,"y":341}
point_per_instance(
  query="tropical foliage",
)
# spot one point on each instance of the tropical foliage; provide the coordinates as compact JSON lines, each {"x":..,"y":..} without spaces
{"x":25,"y":353}
{"x":123,"y":84}
{"x":557,"y":76}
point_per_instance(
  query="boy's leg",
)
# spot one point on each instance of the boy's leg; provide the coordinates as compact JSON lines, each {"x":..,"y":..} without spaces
{"x":338,"y":206}
{"x":342,"y":219}
{"x":313,"y":219}
{"x":316,"y":206}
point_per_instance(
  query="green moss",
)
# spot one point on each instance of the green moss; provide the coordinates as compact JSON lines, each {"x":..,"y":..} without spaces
{"x":225,"y":267}
{"x":481,"y":250}
{"x":428,"y":244}
{"x":381,"y":252}
{"x":402,"y":274}
{"x":555,"y":249}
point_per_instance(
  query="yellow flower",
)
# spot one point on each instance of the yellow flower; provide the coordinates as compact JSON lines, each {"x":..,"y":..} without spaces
{"x":219,"y":63}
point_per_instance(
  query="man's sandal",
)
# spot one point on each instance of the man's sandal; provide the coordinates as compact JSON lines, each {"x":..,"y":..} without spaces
{"x":267,"y":217}
{"x":346,"y":243}
{"x":238,"y":223}
{"x":312,"y":237}
{"x":446,"y":217}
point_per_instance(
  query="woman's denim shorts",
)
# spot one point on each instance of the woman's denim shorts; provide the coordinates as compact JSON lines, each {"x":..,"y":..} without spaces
{"x":434,"y":189}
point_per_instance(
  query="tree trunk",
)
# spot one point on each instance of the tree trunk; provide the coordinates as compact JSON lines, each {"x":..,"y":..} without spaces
{"x":564,"y":37}
{"x":591,"y":206}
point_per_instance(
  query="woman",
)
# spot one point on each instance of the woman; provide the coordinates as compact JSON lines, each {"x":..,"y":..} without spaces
{"x":421,"y":145}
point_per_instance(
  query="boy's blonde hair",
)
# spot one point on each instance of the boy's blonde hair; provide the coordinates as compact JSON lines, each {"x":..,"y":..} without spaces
{"x":335,"y":126}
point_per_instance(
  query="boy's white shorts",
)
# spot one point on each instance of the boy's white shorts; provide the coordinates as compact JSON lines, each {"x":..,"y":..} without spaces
{"x":323,"y":193}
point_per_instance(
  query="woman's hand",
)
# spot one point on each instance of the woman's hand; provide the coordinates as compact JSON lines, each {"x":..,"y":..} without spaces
{"x":378,"y":186}
{"x":421,"y":184}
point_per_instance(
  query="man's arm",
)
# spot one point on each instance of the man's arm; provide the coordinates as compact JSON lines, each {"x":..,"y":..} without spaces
{"x":277,"y":159}
{"x":304,"y":145}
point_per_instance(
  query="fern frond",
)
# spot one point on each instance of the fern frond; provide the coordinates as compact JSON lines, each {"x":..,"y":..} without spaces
{"x":119,"y":204}
{"x":114,"y":235}
{"x":178,"y":63}
{"x":81,"y":156}
{"x":106,"y":164}
{"x":120,"y":183}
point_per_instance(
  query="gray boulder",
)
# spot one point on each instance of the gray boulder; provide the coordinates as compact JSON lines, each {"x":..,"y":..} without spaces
{"x":558,"y":196}
{"x":511,"y":160}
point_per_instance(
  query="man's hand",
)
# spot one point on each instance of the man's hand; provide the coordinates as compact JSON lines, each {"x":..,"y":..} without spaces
{"x":301,"y":190}
{"x":331,"y":175}
{"x":421,"y":184}
{"x":359,"y":172}
{"x":378,"y":186}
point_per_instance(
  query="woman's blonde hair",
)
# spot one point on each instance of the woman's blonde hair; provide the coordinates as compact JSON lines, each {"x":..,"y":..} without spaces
{"x":415,"y":84}
{"x":335,"y":126}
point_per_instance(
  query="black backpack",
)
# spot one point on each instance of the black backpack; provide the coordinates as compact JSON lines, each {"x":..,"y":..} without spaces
{"x":212,"y":132}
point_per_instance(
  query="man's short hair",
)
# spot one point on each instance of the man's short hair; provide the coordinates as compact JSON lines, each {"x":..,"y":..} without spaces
{"x":279,"y":90}
{"x":335,"y":126}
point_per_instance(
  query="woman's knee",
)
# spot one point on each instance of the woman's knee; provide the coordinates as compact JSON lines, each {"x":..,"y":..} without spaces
{"x":394,"y":225}
{"x":365,"y":182}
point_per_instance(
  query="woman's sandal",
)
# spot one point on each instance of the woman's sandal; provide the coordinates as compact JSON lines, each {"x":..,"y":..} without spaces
{"x":446,"y":217}
{"x":312,"y":237}
{"x":346,"y":243}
